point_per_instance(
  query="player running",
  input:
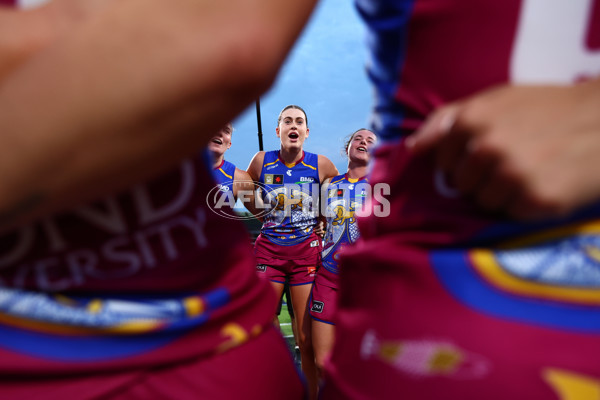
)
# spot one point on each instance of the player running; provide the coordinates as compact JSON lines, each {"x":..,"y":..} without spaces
{"x":287,"y":246}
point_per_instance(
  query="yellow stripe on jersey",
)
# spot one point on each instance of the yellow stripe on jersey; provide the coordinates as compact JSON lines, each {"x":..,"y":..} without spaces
{"x":271,"y":163}
{"x":305,"y":164}
{"x":224,"y":173}
{"x":571,"y":386}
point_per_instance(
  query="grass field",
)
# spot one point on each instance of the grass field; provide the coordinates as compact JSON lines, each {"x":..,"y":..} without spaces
{"x":285,"y":325}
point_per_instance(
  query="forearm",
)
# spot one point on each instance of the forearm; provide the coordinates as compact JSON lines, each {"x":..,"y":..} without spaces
{"x":131,"y":93}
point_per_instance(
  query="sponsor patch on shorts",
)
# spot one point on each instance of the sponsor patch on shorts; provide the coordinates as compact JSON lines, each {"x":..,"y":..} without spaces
{"x":314,"y":243}
{"x":317,"y":306}
{"x":261,"y":268}
{"x":312,"y":270}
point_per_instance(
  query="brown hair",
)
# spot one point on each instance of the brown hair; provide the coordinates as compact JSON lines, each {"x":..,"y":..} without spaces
{"x":349,"y":138}
{"x":295,"y":107}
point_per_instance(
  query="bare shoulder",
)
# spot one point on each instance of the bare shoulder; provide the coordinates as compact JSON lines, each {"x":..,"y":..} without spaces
{"x":326,"y":169}
{"x":256,"y":165}
{"x":241,"y":176}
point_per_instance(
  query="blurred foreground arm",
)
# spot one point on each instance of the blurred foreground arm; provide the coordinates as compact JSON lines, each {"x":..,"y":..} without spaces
{"x":122,"y":97}
{"x":530,"y":152}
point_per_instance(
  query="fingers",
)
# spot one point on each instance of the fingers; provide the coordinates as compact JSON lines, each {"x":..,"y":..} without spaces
{"x":472,"y":165}
{"x":471,"y":169}
{"x":434,"y":130}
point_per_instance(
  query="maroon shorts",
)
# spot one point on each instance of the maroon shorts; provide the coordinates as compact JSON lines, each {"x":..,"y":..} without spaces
{"x":260,"y":369}
{"x":297,"y":263}
{"x":323,"y":301}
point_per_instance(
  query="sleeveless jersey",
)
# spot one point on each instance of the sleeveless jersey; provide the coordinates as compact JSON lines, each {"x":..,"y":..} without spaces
{"x":291,"y":193}
{"x":345,"y":197}
{"x":224,"y":174}
{"x":223,"y":199}
{"x":138,"y":279}
{"x":446,"y":263}
{"x":424,"y":54}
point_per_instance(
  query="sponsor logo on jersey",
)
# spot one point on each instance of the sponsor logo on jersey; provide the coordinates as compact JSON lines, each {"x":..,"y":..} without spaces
{"x":274,"y":179}
{"x":424,"y":358}
{"x":261,"y":268}
{"x":306,"y":179}
{"x":317,"y":306}
{"x":289,"y":172}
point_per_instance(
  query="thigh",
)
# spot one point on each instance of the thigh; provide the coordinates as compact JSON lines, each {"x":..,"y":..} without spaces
{"x":300,"y":296}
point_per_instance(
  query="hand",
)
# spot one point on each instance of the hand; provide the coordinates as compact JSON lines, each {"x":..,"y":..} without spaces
{"x":319,"y":228}
{"x":527,"y":151}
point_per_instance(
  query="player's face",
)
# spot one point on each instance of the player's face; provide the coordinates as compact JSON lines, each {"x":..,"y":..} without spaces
{"x":361,"y":144}
{"x":221,"y":142}
{"x":292,"y":129}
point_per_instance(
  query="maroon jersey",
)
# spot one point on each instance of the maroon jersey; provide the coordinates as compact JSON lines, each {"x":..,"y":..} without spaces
{"x":140,"y":278}
{"x":439,"y":299}
{"x":427,"y":53}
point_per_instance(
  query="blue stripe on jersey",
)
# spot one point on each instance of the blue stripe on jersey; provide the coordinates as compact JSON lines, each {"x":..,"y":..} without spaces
{"x":527,"y":299}
{"x":387,"y":22}
{"x":292,"y":193}
{"x":97,"y":329}
{"x":343,"y":199}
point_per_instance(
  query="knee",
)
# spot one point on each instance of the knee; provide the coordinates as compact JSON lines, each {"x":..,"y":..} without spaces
{"x":320,"y":362}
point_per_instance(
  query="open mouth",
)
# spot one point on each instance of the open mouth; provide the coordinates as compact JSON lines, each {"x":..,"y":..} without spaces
{"x":293,"y":135}
{"x":217,"y":141}
{"x":362,"y":148}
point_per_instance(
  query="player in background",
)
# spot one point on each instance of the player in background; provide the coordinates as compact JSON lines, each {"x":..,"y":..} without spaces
{"x":482,"y":281}
{"x":231,"y":179}
{"x":287,"y":247}
{"x":344,"y":197}
{"x":117,"y":281}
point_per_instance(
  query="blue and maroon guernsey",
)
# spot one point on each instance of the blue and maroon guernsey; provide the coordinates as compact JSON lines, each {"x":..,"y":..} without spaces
{"x":224,"y":174}
{"x":426,"y":53}
{"x":292,"y":192}
{"x":345,"y":196}
{"x":475,"y":305}
{"x":137,"y":279}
